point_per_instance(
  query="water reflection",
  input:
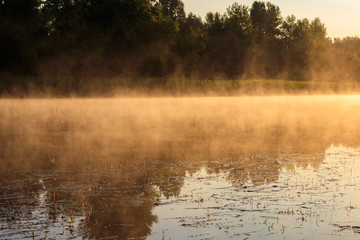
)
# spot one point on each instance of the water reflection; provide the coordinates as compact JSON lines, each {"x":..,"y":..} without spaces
{"x":138,"y":168}
{"x":155,"y":199}
{"x":305,"y":202}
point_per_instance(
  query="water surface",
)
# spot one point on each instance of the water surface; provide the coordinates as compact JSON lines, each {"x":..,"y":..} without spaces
{"x":180,"y":168}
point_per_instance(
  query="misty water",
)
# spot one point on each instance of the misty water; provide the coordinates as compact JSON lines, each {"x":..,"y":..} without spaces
{"x":180,"y":168}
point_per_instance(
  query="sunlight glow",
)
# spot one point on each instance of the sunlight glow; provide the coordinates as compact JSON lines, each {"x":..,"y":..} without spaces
{"x":340,"y":17}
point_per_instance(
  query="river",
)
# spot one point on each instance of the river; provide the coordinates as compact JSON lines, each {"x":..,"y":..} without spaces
{"x":180,"y":168}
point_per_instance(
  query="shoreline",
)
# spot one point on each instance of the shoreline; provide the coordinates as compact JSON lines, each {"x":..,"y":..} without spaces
{"x":186,"y":88}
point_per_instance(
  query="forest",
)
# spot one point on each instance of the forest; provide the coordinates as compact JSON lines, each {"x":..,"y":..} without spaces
{"x":85,"y":46}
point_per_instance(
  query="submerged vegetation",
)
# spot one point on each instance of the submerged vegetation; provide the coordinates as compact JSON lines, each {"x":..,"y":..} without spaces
{"x":86,"y":47}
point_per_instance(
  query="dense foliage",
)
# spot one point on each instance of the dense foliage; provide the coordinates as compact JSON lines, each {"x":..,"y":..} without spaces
{"x":71,"y":44}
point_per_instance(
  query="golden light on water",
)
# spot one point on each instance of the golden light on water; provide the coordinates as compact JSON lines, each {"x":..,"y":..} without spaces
{"x":139,"y":120}
{"x":154,"y":167}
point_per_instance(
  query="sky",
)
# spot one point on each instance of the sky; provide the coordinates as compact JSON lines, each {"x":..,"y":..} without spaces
{"x":341,"y":18}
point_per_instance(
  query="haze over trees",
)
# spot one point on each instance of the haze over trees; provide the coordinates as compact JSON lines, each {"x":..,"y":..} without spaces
{"x":80,"y":45}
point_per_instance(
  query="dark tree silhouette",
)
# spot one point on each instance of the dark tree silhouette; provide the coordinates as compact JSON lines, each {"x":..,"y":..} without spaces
{"x":79,"y":46}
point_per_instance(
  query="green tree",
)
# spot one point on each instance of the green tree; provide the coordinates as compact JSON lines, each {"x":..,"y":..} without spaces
{"x":320,"y":54}
{"x":173,"y":9}
{"x":258,"y":19}
{"x":318,"y":30}
{"x":307,"y":48}
{"x":239,"y":39}
{"x":266,"y":20}
{"x":296,"y":36}
{"x":191,"y":44}
{"x":229,"y":39}
{"x":347,"y":59}
{"x":237,"y":20}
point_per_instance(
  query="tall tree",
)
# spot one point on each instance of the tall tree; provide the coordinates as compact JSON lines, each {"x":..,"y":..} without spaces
{"x":238,"y":39}
{"x":238,"y":20}
{"x":214,"y":23}
{"x":191,"y":43}
{"x":266,"y":20}
{"x":173,"y":9}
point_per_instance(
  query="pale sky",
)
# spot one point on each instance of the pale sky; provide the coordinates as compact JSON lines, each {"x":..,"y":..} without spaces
{"x":341,"y":18}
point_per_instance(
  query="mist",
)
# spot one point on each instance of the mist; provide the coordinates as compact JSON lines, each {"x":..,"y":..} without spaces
{"x":37,"y":133}
{"x":133,"y":119}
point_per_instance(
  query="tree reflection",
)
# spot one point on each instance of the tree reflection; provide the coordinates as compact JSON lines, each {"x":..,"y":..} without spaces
{"x":74,"y":173}
{"x":117,"y":200}
{"x":122,"y":210}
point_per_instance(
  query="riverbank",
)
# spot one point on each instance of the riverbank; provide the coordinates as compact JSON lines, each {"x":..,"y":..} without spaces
{"x":120,"y":87}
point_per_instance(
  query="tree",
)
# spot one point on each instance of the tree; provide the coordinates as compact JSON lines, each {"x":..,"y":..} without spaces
{"x":273,"y":20}
{"x":191,"y":44}
{"x":229,"y":38}
{"x":214,"y":23}
{"x":238,"y":40}
{"x":307,"y":48}
{"x":238,"y":20}
{"x":22,"y":34}
{"x":258,"y":19}
{"x":317,"y":30}
{"x":173,"y":9}
{"x":296,"y":38}
{"x":266,"y":20}
{"x":347,"y":54}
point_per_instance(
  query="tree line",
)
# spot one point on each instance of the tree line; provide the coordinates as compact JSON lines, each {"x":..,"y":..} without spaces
{"x":68,"y":44}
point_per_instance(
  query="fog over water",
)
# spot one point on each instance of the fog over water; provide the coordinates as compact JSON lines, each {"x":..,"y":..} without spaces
{"x":92,"y":168}
{"x":80,"y":130}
